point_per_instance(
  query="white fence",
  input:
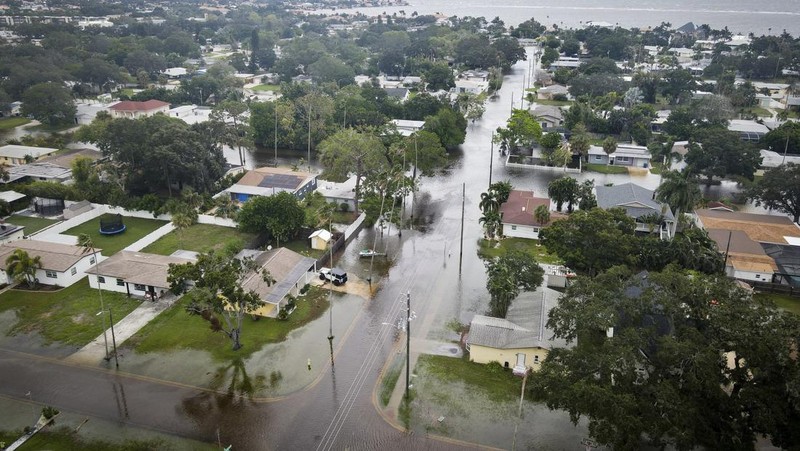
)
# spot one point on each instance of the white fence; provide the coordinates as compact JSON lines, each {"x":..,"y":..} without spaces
{"x":353,"y":228}
{"x":217,"y":221}
{"x":543,"y":168}
{"x":151,"y":238}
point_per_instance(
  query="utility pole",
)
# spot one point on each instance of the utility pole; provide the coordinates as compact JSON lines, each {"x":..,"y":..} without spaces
{"x":309,"y":138}
{"x":330,"y":291}
{"x":727,"y":248}
{"x":461,"y":251}
{"x":785,"y":149}
{"x":408,"y":340}
{"x":113,"y":338}
{"x":491,"y":160}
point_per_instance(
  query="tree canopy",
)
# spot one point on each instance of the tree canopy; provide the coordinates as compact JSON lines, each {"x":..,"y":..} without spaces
{"x":779,"y":189}
{"x":279,"y":216}
{"x":672,"y":359}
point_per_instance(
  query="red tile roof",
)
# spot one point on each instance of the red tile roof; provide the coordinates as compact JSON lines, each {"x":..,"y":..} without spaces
{"x":520,"y":206}
{"x":130,"y":105}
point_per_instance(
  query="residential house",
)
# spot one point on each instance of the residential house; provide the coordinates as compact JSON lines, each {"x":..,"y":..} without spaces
{"x":520,"y":341}
{"x":639,"y":203}
{"x":290,"y":270}
{"x":339,"y":194}
{"x":777,"y":235}
{"x":407,"y":127}
{"x":749,"y":131}
{"x":549,"y":117}
{"x":134,"y":273}
{"x":471,"y":86}
{"x":267,"y":181}
{"x":625,"y":155}
{"x":175,"y":73}
{"x":548,"y":92}
{"x":745,"y":259}
{"x":770,"y":159}
{"x":16,"y":200}
{"x":135,"y":110}
{"x":13,"y":155}
{"x":62,"y":264}
{"x":401,"y":94}
{"x":565,"y":62}
{"x":38,"y":172}
{"x":517,"y":215}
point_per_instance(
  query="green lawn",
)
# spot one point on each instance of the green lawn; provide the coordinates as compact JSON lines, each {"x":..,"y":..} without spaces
{"x":7,"y":123}
{"x":390,"y":379}
{"x":31,"y":224}
{"x":200,"y":238}
{"x":605,"y":169}
{"x":301,"y":246}
{"x":784,"y":301}
{"x":63,"y":438}
{"x":498,"y":383}
{"x":176,"y":329}
{"x":67,"y":316}
{"x":136,"y":228}
{"x":486,"y":249}
{"x":266,"y":88}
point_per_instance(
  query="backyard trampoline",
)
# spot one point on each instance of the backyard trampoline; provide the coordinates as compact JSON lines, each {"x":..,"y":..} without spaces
{"x":112,"y":225}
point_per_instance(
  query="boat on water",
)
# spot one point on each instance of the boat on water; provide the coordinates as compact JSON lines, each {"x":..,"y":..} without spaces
{"x":370,"y":253}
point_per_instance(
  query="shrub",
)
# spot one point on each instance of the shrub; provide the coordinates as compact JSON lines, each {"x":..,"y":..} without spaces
{"x":560,"y":97}
{"x":344,"y":207}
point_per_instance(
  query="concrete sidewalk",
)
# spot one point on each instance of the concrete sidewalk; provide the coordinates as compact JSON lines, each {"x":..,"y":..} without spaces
{"x":95,"y":351}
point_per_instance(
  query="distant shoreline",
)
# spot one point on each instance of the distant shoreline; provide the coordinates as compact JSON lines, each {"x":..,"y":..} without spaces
{"x":566,"y":16}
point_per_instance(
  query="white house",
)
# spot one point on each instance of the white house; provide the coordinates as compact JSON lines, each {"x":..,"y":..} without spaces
{"x":471,"y":86}
{"x":267,"y":181}
{"x":339,"y":193}
{"x":134,"y":273}
{"x":135,"y":110}
{"x":517,"y":215}
{"x":625,"y":155}
{"x":746,"y":259}
{"x":62,"y":264}
{"x":638,"y":203}
{"x":407,"y":127}
{"x":548,"y":116}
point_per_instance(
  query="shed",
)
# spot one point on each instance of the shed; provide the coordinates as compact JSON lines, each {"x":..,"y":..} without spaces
{"x":320,"y":239}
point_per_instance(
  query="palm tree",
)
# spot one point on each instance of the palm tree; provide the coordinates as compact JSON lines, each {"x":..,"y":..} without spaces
{"x":491,"y":223}
{"x":679,"y":191}
{"x":542,"y":214}
{"x":85,"y":241}
{"x":22,"y":267}
{"x":488,"y":202}
{"x":609,"y":145}
{"x":226,"y":207}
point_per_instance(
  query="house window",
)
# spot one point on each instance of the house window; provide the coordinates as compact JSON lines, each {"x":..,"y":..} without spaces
{"x":535,"y":359}
{"x":91,"y":261}
{"x":120,"y":282}
{"x":138,"y":287}
{"x":536,"y":230}
{"x":758,"y":276}
{"x":513,"y":227}
{"x":101,"y":279}
{"x":598,"y":157}
{"x":623,"y":159}
{"x":73,"y":271}
{"x":51,"y":274}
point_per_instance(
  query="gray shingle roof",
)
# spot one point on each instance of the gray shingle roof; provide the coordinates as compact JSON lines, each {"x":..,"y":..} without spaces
{"x":636,"y":200}
{"x":525,"y":326}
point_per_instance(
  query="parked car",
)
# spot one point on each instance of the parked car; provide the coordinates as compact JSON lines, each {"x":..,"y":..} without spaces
{"x":335,"y":275}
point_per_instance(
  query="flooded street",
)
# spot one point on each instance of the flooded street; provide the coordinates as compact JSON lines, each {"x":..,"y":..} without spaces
{"x":330,"y":407}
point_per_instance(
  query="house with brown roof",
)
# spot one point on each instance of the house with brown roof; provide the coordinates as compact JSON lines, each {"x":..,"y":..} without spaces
{"x":134,"y":110}
{"x":134,"y":273}
{"x":742,"y":234}
{"x":745,"y":258}
{"x":62,"y":264}
{"x":290,"y":270}
{"x":517,"y":215}
{"x":268,"y":181}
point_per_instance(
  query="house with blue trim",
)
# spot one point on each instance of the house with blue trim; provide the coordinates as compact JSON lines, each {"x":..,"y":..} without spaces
{"x":269,"y":181}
